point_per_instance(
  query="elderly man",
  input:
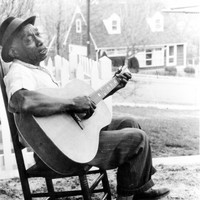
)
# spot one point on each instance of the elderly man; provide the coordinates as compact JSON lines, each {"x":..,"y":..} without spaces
{"x":122,"y":143}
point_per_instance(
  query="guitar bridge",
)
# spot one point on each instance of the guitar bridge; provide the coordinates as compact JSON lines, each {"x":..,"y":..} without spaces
{"x":77,"y":119}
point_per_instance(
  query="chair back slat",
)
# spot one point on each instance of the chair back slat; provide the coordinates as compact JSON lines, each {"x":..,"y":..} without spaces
{"x":11,"y":122}
{"x":13,"y":129}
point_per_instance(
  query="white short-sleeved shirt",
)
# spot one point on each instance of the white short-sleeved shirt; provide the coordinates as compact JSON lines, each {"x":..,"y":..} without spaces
{"x":22,"y":75}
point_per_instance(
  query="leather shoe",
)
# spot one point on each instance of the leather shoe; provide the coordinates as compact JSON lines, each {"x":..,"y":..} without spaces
{"x":152,"y":194}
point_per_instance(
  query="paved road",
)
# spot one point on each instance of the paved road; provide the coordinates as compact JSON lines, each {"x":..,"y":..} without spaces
{"x":152,"y":90}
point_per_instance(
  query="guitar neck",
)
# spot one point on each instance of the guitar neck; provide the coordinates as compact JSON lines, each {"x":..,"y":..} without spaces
{"x":102,"y":92}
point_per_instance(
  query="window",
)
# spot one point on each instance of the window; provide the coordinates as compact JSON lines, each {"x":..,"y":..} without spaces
{"x":158,"y":49}
{"x":171,"y":55}
{"x":171,"y":60}
{"x":110,"y":52}
{"x":78,"y":26}
{"x":171,"y":50}
{"x":116,"y":52}
{"x":148,"y":62}
{"x":158,"y":24}
{"x":114,"y":25}
{"x":148,"y":57}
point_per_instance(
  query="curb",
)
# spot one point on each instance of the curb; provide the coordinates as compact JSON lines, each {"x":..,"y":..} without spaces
{"x":160,"y":106}
{"x":179,"y":160}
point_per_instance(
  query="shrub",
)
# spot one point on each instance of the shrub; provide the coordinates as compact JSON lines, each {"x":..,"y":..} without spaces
{"x":189,"y":70}
{"x":171,"y":70}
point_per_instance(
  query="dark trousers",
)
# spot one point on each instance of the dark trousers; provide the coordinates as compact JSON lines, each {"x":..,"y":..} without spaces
{"x":123,"y":145}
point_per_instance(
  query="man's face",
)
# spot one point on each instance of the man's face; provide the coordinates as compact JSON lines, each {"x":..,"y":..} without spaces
{"x":29,"y":45}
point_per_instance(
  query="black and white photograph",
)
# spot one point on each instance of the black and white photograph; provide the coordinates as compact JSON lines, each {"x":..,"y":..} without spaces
{"x":100,"y":99}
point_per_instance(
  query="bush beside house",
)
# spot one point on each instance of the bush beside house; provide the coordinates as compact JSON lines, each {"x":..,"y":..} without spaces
{"x":189,"y":70}
{"x":171,"y":71}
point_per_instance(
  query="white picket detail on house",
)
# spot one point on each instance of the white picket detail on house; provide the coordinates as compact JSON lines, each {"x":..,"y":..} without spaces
{"x":93,"y":72}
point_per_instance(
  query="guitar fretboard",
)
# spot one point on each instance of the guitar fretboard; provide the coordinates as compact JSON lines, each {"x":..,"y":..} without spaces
{"x":98,"y":95}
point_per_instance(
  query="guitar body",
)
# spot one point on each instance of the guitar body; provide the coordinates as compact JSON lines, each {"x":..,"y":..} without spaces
{"x":58,"y":138}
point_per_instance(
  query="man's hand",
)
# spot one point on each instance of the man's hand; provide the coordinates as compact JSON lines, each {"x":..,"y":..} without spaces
{"x":84,"y":105}
{"x":123,"y":79}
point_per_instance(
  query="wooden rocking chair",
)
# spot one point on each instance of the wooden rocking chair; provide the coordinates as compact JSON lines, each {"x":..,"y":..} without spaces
{"x":25,"y":174}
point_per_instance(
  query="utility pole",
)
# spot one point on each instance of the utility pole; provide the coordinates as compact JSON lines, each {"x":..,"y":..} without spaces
{"x":88,"y":28}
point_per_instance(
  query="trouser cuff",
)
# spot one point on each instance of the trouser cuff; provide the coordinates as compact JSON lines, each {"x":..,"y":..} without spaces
{"x":145,"y":187}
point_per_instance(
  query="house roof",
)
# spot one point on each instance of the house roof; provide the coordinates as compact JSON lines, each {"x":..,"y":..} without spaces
{"x":98,"y":13}
{"x":98,"y":29}
{"x":143,"y":36}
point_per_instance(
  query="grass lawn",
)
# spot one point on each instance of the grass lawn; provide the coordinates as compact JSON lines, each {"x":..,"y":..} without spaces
{"x":171,"y":132}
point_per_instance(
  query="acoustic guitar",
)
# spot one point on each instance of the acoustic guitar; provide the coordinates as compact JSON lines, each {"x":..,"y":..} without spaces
{"x":60,"y":137}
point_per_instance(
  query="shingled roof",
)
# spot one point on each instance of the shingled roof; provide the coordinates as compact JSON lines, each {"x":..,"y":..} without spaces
{"x":99,"y":13}
{"x":104,"y":9}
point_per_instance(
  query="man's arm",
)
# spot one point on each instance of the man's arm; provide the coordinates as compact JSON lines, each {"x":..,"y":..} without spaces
{"x":42,"y":105}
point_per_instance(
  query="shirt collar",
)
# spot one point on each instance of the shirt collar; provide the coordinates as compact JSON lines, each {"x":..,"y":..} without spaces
{"x":27,"y":64}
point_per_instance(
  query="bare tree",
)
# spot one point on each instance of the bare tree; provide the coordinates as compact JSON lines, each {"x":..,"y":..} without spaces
{"x":55,"y":17}
{"x":16,"y":8}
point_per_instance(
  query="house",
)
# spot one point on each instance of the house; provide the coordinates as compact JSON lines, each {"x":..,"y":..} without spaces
{"x":119,"y":33}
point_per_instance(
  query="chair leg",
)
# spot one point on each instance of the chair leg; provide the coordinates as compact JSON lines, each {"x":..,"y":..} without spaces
{"x":106,"y":186}
{"x":50,"y":188}
{"x":26,"y":189}
{"x":22,"y":172}
{"x":85,"y":187}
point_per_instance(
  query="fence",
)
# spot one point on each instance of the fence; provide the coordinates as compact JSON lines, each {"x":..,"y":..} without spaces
{"x":95,"y":73}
